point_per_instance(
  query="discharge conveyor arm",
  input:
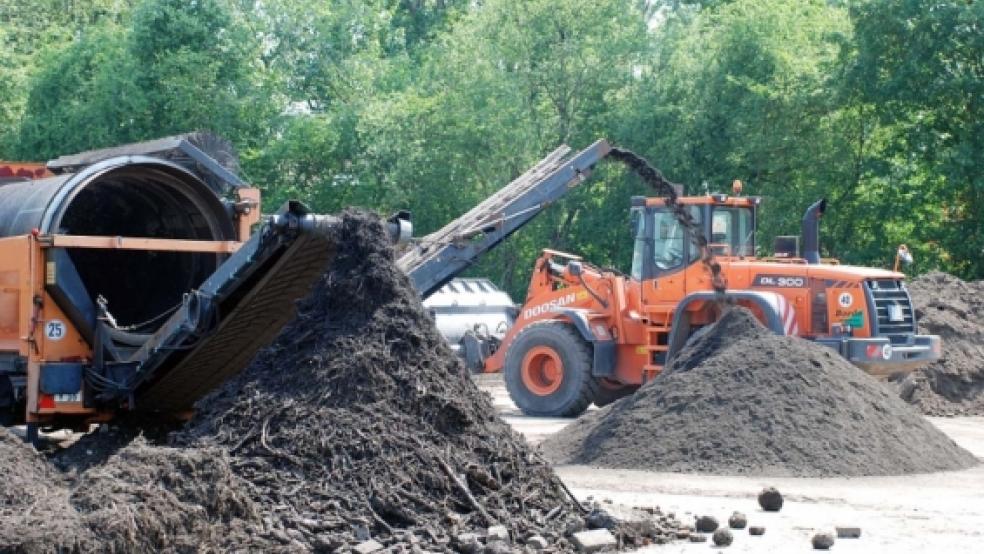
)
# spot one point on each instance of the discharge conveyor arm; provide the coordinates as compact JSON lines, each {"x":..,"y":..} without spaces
{"x":440,"y":256}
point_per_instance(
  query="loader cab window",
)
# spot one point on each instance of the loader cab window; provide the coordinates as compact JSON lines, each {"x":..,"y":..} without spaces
{"x":732,"y":231}
{"x":661,"y":244}
{"x":669,"y":244}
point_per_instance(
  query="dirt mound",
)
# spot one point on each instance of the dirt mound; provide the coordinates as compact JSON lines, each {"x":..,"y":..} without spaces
{"x":149,"y":497}
{"x":35,"y":514}
{"x":358,"y":424}
{"x":953,"y":309}
{"x":741,"y":400}
{"x":96,"y":448}
{"x":359,"y":421}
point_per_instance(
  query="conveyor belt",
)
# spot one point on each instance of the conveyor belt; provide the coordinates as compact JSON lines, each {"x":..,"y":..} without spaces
{"x":247,"y":324}
{"x":440,"y":256}
{"x":220,"y":326}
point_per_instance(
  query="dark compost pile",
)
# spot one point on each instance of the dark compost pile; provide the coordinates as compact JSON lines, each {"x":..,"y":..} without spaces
{"x":953,"y":309}
{"x":741,"y":400}
{"x":357,"y":425}
{"x":359,"y":421}
{"x":35,"y":514}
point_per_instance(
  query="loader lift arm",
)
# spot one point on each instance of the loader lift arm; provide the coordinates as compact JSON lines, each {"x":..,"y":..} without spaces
{"x":440,"y":256}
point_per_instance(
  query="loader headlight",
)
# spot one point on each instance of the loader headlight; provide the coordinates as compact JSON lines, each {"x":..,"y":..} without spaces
{"x":886,"y":352}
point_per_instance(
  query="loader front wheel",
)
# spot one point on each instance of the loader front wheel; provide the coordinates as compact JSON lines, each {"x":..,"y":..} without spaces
{"x":548,"y":371}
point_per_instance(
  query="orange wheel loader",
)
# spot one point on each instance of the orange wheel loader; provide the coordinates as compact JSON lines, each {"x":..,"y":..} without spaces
{"x":590,"y":335}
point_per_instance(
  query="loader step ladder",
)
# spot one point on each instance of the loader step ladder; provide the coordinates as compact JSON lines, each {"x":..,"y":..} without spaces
{"x":657,"y":340}
{"x":440,"y":256}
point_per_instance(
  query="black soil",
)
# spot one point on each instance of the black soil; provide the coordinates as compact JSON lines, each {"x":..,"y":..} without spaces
{"x":358,"y":423}
{"x":953,"y":309}
{"x":741,"y":400}
{"x":35,"y":513}
{"x":360,"y":417}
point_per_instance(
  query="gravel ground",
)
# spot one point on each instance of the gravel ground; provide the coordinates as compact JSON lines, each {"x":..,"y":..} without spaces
{"x":913,"y":514}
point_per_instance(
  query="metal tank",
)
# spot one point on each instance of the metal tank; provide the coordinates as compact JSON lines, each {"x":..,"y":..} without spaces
{"x":132,"y":196}
{"x":473,"y":315}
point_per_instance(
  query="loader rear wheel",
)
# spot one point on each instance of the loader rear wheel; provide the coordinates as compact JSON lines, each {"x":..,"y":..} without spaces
{"x":548,"y":371}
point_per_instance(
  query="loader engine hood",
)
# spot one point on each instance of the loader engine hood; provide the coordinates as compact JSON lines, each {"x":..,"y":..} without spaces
{"x":133,"y":196}
{"x":816,"y":271}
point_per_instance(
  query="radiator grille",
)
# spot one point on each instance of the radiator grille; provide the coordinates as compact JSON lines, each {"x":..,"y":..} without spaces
{"x":894,"y":316}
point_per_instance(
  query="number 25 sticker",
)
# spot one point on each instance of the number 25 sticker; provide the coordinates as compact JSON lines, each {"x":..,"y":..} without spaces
{"x":54,"y":330}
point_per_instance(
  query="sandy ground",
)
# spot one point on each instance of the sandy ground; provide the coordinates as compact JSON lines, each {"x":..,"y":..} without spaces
{"x":929,"y":513}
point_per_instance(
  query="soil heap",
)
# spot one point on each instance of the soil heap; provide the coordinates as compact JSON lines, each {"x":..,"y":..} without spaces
{"x":35,"y":514}
{"x":742,"y":400}
{"x":360,"y":421}
{"x":953,"y":309}
{"x":358,"y":424}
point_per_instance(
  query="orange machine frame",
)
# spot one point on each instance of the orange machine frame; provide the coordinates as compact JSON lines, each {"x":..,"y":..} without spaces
{"x":35,"y":327}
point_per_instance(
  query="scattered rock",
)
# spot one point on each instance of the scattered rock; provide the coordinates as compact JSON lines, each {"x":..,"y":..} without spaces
{"x":361,"y":533}
{"x":770,"y":499}
{"x":537,"y":542}
{"x":823,"y":541}
{"x":737,"y":520}
{"x":756,"y":530}
{"x":645,"y":527}
{"x":722,"y":537}
{"x":594,"y":540}
{"x":497,"y":547}
{"x":368,"y":547}
{"x":467,"y":543}
{"x":573,"y":526}
{"x":497,"y":533}
{"x":698,"y":537}
{"x":706,"y":524}
{"x":600,"y":519}
{"x":848,"y":532}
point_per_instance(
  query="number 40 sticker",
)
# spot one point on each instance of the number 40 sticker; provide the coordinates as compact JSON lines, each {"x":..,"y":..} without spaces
{"x":54,"y":330}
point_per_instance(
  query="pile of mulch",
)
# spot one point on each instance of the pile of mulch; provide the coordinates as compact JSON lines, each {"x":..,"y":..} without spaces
{"x":359,"y":421}
{"x":357,"y":425}
{"x":35,"y":513}
{"x":953,"y":309}
{"x":742,"y":400}
{"x":148,"y":498}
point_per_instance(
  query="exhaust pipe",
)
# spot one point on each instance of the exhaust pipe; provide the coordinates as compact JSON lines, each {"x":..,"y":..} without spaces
{"x":811,"y":231}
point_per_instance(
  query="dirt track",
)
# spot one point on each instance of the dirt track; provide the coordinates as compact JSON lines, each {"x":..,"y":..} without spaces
{"x":940,"y":512}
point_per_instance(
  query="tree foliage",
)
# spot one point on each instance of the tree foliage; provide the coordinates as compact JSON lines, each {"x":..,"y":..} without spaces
{"x":431,"y":105}
{"x":919,"y":65}
{"x":172,"y":66}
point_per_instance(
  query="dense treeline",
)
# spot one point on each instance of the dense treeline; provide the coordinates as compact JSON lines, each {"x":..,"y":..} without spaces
{"x":877,"y":105}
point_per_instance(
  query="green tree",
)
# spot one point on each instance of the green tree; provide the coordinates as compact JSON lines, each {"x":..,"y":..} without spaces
{"x":502,"y":88}
{"x":919,"y":66}
{"x":754,"y":90}
{"x":175,"y":66}
{"x":29,"y":32}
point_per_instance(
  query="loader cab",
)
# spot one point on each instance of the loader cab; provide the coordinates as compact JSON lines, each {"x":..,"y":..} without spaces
{"x":664,"y":245}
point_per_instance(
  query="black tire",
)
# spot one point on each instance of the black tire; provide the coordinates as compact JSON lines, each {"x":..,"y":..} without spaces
{"x":607,"y":394}
{"x":577,"y":387}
